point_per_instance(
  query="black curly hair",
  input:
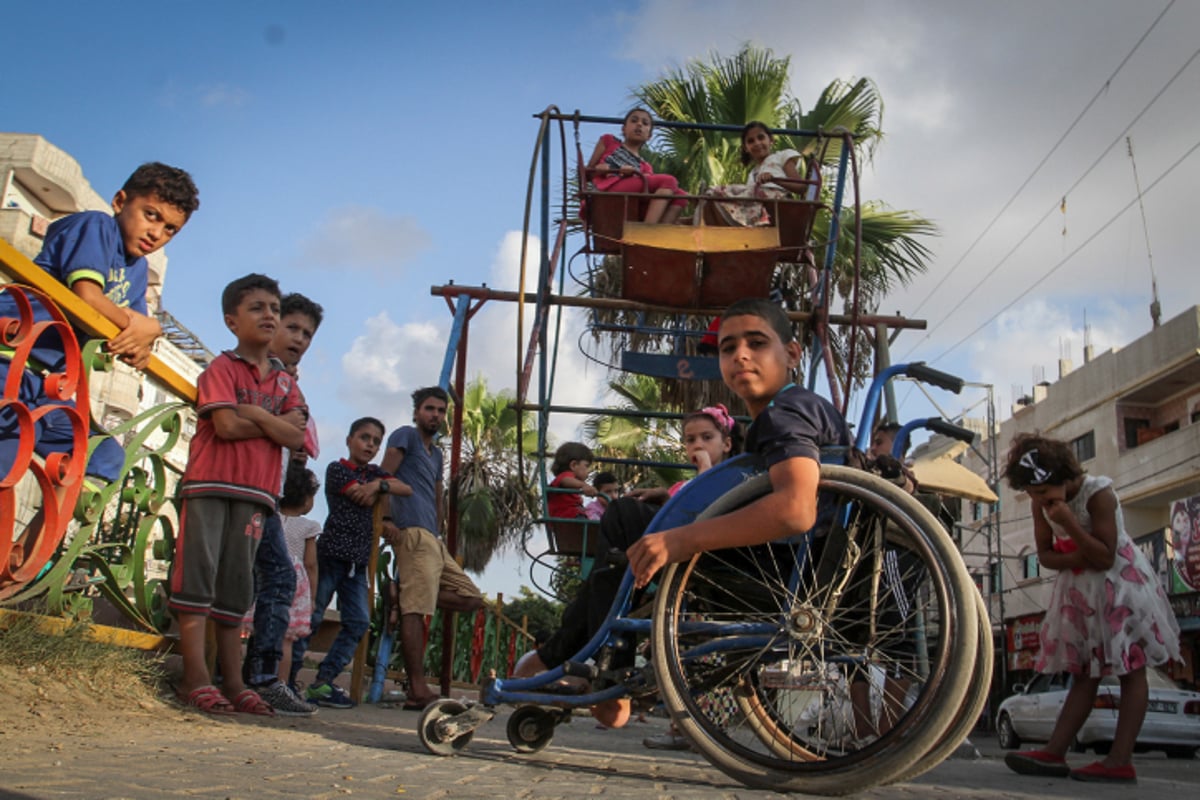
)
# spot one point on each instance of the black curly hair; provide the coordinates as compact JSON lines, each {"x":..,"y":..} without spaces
{"x":568,"y":452}
{"x":1054,"y":456}
{"x":300,"y":484}
{"x":171,"y":184}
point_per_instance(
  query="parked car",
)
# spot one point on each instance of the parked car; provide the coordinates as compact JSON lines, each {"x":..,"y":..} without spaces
{"x":1172,"y":719}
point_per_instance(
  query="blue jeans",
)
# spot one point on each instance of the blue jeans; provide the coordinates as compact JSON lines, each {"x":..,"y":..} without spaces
{"x":349,"y":581}
{"x":53,"y":432}
{"x":275,"y":589}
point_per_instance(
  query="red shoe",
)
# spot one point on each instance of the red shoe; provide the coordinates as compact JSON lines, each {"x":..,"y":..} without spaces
{"x":1037,"y":762}
{"x":1098,"y":773}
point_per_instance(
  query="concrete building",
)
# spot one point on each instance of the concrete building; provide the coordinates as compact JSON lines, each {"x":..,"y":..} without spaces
{"x":1132,"y":414}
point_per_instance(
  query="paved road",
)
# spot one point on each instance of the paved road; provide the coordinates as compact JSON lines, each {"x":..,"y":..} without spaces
{"x":374,"y":752}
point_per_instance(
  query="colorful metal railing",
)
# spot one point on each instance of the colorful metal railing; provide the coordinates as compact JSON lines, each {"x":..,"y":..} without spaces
{"x":485,"y":643}
{"x":78,"y":531}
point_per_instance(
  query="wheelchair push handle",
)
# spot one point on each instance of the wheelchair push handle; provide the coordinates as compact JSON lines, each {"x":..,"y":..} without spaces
{"x":927,"y":374}
{"x":938,"y":425}
{"x":917,"y":370}
{"x":935,"y":424}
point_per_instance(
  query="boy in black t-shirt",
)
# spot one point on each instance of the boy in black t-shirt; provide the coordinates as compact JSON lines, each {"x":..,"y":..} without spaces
{"x":759,"y":354}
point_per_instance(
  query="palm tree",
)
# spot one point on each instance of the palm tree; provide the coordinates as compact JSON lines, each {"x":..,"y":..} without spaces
{"x":753,"y":84}
{"x":647,"y":438}
{"x":496,"y":506}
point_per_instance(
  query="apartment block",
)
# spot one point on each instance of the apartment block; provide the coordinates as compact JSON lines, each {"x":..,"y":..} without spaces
{"x":1132,"y":414}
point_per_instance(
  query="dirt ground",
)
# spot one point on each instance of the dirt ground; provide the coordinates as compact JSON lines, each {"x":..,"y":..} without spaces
{"x":40,"y":705}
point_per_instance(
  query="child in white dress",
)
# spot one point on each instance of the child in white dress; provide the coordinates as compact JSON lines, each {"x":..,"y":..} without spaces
{"x":774,"y":175}
{"x":300,"y":534}
{"x":1108,"y":613}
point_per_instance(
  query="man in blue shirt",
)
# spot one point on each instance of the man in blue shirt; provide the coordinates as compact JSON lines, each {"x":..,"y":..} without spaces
{"x":428,"y":575}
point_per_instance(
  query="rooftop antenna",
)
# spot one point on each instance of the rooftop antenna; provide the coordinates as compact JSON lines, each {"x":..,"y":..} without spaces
{"x":1155,"y":307}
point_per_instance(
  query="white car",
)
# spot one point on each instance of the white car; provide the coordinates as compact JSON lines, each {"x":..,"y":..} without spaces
{"x":1172,"y":720}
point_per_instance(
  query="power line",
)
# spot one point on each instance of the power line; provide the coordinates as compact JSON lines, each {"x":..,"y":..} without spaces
{"x":1012,"y":251}
{"x":1103,"y":88}
{"x":1067,"y":257}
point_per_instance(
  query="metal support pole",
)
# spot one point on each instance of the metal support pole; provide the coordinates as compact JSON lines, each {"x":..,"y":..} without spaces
{"x":883,"y":360}
{"x":456,"y":437}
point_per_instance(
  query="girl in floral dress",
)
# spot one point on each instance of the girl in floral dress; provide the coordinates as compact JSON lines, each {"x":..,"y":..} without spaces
{"x":775,"y":175}
{"x":1108,"y":613}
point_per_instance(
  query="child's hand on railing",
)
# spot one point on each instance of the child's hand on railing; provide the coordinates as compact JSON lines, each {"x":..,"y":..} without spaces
{"x":132,"y":345}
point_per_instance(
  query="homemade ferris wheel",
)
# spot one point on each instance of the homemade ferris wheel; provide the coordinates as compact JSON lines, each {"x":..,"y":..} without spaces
{"x":753,"y":648}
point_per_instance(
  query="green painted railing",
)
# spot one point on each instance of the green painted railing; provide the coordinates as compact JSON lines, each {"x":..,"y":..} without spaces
{"x":76,"y":532}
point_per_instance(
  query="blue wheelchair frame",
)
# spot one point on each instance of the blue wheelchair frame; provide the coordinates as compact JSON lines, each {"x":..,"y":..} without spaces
{"x":683,"y":509}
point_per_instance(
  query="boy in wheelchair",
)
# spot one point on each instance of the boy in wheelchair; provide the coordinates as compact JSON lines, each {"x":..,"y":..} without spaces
{"x":759,"y":356}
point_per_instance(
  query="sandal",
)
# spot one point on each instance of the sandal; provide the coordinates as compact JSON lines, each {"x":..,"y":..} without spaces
{"x":248,"y":702}
{"x":1099,"y":773}
{"x":207,"y":699}
{"x":1037,"y":762}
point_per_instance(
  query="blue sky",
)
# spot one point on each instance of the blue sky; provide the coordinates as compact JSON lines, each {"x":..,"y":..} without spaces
{"x":364,"y":151}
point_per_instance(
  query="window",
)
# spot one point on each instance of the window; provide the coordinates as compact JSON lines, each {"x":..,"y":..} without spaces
{"x":994,"y":578}
{"x":1132,"y":426}
{"x":1085,"y":446}
{"x":1030,"y":566}
{"x":1039,"y":684}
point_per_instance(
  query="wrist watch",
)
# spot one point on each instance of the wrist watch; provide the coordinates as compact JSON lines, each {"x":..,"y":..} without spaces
{"x":383,"y":487}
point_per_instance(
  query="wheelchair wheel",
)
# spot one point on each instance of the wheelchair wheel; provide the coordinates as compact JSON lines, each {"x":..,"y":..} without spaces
{"x":433,"y":731}
{"x":968,"y":715}
{"x":787,"y":629}
{"x":531,"y":728}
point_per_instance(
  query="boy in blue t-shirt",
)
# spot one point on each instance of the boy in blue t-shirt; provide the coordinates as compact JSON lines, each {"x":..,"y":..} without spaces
{"x":102,"y":259}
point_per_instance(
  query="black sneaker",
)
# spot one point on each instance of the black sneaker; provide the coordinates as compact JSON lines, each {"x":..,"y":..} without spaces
{"x":284,"y":700}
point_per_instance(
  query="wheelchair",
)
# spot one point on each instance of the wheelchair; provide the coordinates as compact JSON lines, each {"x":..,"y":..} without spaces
{"x":752,"y":649}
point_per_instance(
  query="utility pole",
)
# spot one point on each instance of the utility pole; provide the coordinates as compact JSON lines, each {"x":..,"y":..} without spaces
{"x":1155,"y":307}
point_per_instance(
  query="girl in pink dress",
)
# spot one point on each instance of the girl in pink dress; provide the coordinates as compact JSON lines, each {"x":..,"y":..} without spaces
{"x":1108,"y":613}
{"x":616,"y":165}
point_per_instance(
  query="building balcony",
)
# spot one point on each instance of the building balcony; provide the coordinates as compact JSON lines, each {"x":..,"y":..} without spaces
{"x":1160,"y":469}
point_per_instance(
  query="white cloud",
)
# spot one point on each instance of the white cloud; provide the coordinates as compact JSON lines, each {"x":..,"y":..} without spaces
{"x":358,"y":238}
{"x":223,"y":95}
{"x":387,"y":362}
{"x":577,"y":381}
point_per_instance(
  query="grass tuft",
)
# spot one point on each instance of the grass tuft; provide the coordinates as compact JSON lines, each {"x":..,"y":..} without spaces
{"x":73,"y":660}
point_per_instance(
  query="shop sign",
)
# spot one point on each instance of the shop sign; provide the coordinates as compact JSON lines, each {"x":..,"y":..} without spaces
{"x":1185,"y":536}
{"x":1022,"y":659}
{"x":1023,"y":633}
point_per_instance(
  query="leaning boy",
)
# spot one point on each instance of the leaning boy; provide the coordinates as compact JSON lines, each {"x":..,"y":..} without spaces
{"x":249,"y":409}
{"x":102,"y":259}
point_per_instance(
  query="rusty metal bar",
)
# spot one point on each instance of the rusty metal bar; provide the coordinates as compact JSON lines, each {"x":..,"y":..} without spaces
{"x":486,"y":293}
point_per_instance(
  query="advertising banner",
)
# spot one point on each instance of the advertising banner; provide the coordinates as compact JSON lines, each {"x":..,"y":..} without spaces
{"x":1185,"y":535}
